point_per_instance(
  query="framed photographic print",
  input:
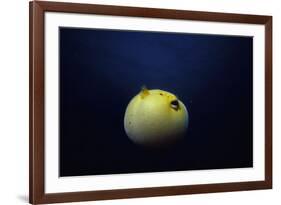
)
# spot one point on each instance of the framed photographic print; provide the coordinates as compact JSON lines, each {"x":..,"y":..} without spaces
{"x":139,"y":102}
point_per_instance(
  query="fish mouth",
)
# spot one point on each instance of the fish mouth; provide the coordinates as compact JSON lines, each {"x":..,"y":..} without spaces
{"x":175,"y":104}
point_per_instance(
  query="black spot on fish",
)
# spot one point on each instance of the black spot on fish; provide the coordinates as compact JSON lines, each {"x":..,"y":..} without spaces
{"x":175,"y":104}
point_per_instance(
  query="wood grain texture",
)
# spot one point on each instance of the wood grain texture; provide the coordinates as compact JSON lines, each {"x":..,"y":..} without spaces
{"x":36,"y":105}
{"x":36,"y":146}
{"x":268,"y":101}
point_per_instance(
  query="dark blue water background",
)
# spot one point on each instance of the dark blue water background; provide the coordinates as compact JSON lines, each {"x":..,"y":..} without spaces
{"x":101,"y":70}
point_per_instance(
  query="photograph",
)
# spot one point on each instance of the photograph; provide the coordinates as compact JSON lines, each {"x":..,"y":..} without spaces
{"x":141,"y":101}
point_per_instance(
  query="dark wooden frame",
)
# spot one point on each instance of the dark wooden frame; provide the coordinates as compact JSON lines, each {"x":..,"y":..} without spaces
{"x":36,"y":141}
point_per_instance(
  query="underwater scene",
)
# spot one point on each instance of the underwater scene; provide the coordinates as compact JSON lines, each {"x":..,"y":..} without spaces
{"x":139,"y":101}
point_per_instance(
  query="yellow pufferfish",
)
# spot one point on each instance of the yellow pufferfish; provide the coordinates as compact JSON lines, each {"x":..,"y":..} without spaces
{"x":155,"y":118}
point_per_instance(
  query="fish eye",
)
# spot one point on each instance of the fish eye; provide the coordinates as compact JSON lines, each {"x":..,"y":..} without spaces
{"x":175,"y":104}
